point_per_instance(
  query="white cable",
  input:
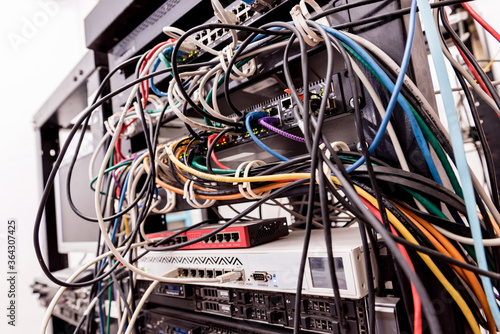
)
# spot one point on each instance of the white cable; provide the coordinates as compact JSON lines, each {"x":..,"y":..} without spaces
{"x":226,"y":17}
{"x":94,"y":155}
{"x":190,"y":198}
{"x":139,"y":307}
{"x":179,"y":113}
{"x":459,"y":89}
{"x":57,"y":296}
{"x":201,"y":93}
{"x":176,"y":33}
{"x":309,"y":36}
{"x":495,"y":242}
{"x":235,"y":73}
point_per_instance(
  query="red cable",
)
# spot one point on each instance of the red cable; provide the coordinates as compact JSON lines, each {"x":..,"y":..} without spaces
{"x":481,"y":21}
{"x":473,"y":70}
{"x":469,"y":65}
{"x":417,"y":303}
{"x":144,"y":88}
{"x":214,"y":158}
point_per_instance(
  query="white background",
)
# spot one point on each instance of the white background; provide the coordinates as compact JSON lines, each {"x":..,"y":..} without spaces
{"x":31,"y":68}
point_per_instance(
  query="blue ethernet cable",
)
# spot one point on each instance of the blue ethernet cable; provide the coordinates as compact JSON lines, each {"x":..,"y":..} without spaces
{"x":254,"y":116}
{"x":396,"y":95}
{"x":155,"y":67}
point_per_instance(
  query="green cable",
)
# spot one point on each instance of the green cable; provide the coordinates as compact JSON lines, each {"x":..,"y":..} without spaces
{"x":425,"y":130}
{"x":110,"y":162}
{"x":165,"y":62}
{"x":108,"y":316}
{"x":431,"y":207}
{"x":203,"y":168}
{"x":440,"y":153}
{"x":109,"y":170}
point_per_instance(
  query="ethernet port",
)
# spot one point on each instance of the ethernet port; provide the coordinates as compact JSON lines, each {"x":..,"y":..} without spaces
{"x":235,"y":236}
{"x":273,"y":112}
{"x":277,"y":317}
{"x":286,"y":103}
{"x":184,"y":238}
{"x":227,"y":237}
{"x":201,"y":273}
{"x":220,"y":237}
{"x":213,"y":238}
{"x":184,"y":272}
{"x":218,"y":273}
{"x":276,"y":301}
{"x":178,"y":240}
{"x":210,"y":273}
{"x":192,"y":272}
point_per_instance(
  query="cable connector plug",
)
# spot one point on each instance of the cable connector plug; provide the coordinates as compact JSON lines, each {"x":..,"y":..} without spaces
{"x":256,"y":115}
{"x":230,"y":277}
{"x":173,"y":273}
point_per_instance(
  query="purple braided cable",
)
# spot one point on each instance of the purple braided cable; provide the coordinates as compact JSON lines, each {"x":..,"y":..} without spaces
{"x":263,"y":121}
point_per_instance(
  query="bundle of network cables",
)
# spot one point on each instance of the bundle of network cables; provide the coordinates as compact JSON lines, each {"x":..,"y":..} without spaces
{"x":439,"y":224}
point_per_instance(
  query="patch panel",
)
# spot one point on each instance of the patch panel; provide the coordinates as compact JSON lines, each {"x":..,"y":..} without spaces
{"x":242,"y":13}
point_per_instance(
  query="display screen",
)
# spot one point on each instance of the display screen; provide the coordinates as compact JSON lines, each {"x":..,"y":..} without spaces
{"x":320,"y":273}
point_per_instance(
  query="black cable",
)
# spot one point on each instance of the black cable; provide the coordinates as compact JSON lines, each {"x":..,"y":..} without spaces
{"x":122,"y":294}
{"x":373,"y":222}
{"x":387,"y":16}
{"x":158,"y":243}
{"x":237,"y":217}
{"x":80,"y":140}
{"x":312,"y":185}
{"x":493,"y":92}
{"x":82,"y":319}
{"x":230,"y":65}
{"x":211,"y":148}
{"x":175,"y":68}
{"x":482,"y":137}
{"x":361,"y":138}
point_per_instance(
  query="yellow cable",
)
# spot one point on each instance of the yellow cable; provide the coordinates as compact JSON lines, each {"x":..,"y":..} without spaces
{"x":229,"y":179}
{"x":125,"y":222}
{"x":428,"y":261}
{"x":487,"y":68}
{"x":447,"y":248}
